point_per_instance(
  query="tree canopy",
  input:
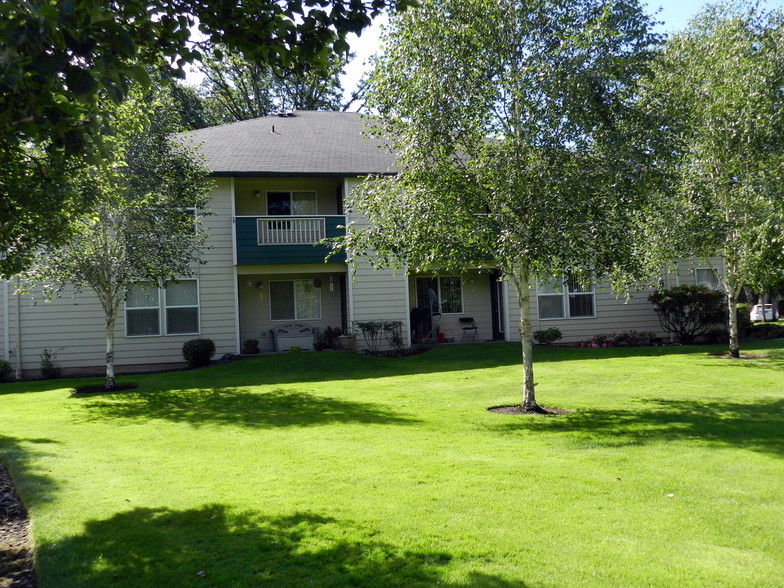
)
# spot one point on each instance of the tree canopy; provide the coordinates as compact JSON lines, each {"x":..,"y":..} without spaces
{"x":719,"y":83}
{"x":518,"y":145}
{"x":236,"y":88}
{"x":59,"y":58}
{"x":144,"y":227}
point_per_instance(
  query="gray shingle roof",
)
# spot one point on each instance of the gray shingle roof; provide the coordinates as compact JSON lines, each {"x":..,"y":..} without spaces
{"x":308,"y":143}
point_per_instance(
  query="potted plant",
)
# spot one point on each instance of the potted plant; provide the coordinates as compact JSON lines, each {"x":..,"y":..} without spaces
{"x":250,"y":346}
{"x":347,"y":341}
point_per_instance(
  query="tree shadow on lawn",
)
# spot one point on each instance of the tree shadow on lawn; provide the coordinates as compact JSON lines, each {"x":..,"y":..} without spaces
{"x":19,"y":454}
{"x":757,"y":427}
{"x":215,"y":546}
{"x":237,"y":407}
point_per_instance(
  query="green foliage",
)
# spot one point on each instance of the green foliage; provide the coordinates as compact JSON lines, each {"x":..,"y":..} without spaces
{"x":236,"y":88}
{"x":548,"y":336}
{"x":5,"y":369}
{"x":376,"y":332}
{"x":765,"y":331}
{"x":717,"y":86}
{"x":198,"y":352}
{"x":142,"y":227}
{"x":519,"y":146}
{"x":744,"y":316}
{"x":61,"y":59}
{"x":626,"y":339}
{"x":688,"y":311}
{"x":49,"y":368}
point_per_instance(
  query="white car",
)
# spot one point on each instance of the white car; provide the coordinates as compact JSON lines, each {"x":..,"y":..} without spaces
{"x":770,"y":314}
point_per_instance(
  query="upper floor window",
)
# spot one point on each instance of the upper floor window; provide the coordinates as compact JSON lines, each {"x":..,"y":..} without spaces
{"x":569,"y":298}
{"x":292,"y":203}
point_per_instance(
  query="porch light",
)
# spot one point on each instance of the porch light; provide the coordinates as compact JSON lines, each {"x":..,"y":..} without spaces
{"x":317,"y":282}
{"x":257,"y":194}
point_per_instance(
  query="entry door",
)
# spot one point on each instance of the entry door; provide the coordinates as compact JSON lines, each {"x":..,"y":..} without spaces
{"x":497,"y":306}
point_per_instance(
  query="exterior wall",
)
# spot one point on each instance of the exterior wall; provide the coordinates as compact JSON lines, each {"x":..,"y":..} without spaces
{"x":73,"y":325}
{"x":476,"y":305}
{"x":4,"y":316}
{"x":254,"y":297}
{"x":612,"y":314}
{"x":376,"y":294}
{"x":328,"y":191}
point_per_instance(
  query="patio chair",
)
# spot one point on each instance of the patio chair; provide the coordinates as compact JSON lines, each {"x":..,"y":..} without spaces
{"x":469,"y":328}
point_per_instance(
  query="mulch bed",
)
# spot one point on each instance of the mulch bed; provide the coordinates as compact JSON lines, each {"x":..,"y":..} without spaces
{"x":742,"y":356}
{"x":517,"y":409}
{"x":100,"y":389}
{"x":16,"y":555}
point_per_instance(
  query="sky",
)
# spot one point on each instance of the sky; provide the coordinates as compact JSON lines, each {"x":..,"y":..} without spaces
{"x":675,"y":15}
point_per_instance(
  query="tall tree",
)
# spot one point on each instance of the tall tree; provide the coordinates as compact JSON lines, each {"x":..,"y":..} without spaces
{"x":518,"y":146}
{"x":58,"y":57}
{"x":237,"y":88}
{"x":720,"y":83}
{"x":143,"y":228}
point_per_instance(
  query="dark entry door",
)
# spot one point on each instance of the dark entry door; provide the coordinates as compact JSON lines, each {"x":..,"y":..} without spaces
{"x":497,"y":306}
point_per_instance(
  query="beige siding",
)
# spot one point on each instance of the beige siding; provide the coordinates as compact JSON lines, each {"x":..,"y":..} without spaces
{"x":476,"y":305}
{"x":73,"y":325}
{"x":328,"y":192}
{"x":254,"y":292}
{"x":377,"y":294}
{"x":4,"y":316}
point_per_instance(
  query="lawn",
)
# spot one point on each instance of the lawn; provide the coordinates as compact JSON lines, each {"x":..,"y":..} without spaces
{"x":332,"y":469}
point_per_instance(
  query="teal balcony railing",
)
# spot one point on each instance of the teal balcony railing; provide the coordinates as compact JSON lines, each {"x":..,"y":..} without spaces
{"x":280,"y":240}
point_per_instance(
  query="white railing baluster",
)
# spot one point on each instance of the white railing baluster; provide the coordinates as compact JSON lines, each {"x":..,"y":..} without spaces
{"x":290,"y":230}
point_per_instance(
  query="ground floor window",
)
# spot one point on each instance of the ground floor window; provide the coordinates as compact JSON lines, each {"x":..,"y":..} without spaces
{"x":707,"y":277}
{"x":569,"y":298}
{"x":443,"y":294}
{"x":295,"y":300}
{"x":173,"y":309}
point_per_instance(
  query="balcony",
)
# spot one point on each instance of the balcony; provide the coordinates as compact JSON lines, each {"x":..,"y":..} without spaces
{"x":280,"y":240}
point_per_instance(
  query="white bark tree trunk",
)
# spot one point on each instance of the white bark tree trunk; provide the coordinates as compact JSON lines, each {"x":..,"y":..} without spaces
{"x":522,"y":283}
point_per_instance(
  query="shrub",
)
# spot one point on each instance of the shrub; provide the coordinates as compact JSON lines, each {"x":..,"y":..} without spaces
{"x":744,"y":322}
{"x":5,"y":369}
{"x":295,"y":348}
{"x":198,"y":352}
{"x":374,"y":333}
{"x":547,"y":336}
{"x":49,"y":368}
{"x":688,"y":311}
{"x":766,"y":331}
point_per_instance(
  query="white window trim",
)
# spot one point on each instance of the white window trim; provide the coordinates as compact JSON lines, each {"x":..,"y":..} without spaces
{"x":291,"y":198}
{"x":440,"y":289}
{"x":161,"y":307}
{"x":564,"y":295}
{"x":296,"y":318}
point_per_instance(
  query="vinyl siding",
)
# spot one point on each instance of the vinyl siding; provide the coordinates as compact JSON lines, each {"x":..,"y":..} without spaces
{"x":476,"y":305}
{"x":255,"y":321}
{"x":73,"y":324}
{"x":376,"y":294}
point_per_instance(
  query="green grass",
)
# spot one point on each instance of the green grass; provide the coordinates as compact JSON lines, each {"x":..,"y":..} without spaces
{"x":331,"y":469}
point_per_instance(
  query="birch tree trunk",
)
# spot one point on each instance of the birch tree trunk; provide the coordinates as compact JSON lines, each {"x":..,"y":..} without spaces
{"x":522,"y":283}
{"x":110,"y":320}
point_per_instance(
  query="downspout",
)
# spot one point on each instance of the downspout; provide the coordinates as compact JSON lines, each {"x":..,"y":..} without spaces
{"x":235,"y":272}
{"x":6,"y":324}
{"x":18,"y":332}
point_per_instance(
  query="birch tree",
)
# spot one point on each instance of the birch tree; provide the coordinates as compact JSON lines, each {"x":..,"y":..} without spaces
{"x":143,"y":228}
{"x":518,"y":146}
{"x":720,"y":82}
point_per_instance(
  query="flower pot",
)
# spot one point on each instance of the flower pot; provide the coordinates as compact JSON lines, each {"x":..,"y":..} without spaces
{"x":347,"y":342}
{"x":440,"y":337}
{"x":250,"y":348}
